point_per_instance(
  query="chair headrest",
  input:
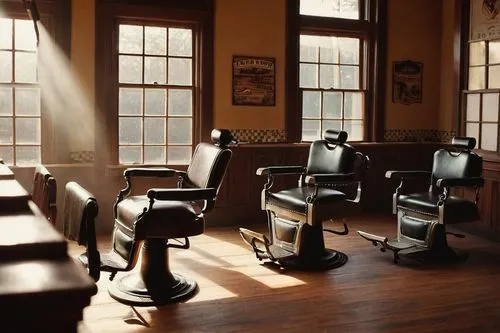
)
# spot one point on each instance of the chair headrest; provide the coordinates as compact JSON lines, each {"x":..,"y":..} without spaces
{"x":334,"y":136}
{"x":221,"y":137}
{"x":464,"y":142}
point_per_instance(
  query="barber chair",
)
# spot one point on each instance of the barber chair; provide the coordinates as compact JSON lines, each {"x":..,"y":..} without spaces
{"x":422,"y":217}
{"x":44,"y":193}
{"x":155,"y":222}
{"x":296,"y":215}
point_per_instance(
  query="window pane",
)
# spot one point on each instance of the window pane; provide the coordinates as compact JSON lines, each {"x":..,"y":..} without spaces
{"x":476,"y":78}
{"x":473,"y":107}
{"x":130,"y":155}
{"x":355,"y":129}
{"x":349,"y":77}
{"x":180,"y":42}
{"x":7,"y":154}
{"x":180,"y":102}
{"x":5,"y":101}
{"x":311,"y":130}
{"x":332,"y":105}
{"x":25,"y":70}
{"x":179,"y":71}
{"x":28,"y":155}
{"x":5,"y":66}
{"x":130,"y":130}
{"x":311,"y":104}
{"x":155,"y":102}
{"x":28,"y":131}
{"x":154,"y":131}
{"x":27,"y":102}
{"x":329,"y":50}
{"x":24,"y":35}
{"x":477,"y":52}
{"x":6,"y":35}
{"x":6,"y":131}
{"x":130,"y":40}
{"x":130,"y":101}
{"x":154,"y":155}
{"x":353,"y":105}
{"x":309,"y":46}
{"x":308,"y":76}
{"x":489,"y":136}
{"x":494,"y":53}
{"x":130,"y":69}
{"x":179,"y":155}
{"x":154,"y":70}
{"x":348,"y":9}
{"x":349,"y":50}
{"x":329,"y":76}
{"x":156,"y":40}
{"x":494,"y":76}
{"x":472,"y":130}
{"x":179,"y":131}
{"x":490,"y":107}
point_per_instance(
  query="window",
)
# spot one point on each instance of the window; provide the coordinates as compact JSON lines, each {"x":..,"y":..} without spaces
{"x":155,"y":99}
{"x":330,"y":85}
{"x":338,"y":81}
{"x":481,"y":100}
{"x":20,"y":105}
{"x":154,"y":81}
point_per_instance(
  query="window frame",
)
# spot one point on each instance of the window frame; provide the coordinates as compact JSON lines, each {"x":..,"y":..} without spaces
{"x":373,"y":29}
{"x":56,"y":16}
{"x":109,"y":13}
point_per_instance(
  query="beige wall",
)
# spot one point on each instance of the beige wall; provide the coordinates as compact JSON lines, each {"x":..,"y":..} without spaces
{"x":414,"y":33}
{"x":253,"y":28}
{"x":445,"y":121}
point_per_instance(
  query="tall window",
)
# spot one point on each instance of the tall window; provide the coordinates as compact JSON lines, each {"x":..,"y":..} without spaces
{"x":20,"y":106}
{"x":155,"y":98}
{"x":332,"y":84}
{"x":482,"y":96}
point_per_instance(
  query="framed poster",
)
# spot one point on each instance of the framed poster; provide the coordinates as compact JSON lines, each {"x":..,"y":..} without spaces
{"x":484,"y":19}
{"x":254,"y":81}
{"x":407,"y":82}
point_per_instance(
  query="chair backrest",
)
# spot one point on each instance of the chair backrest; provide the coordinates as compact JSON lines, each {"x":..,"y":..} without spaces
{"x":332,"y":154}
{"x":44,"y":193}
{"x":209,"y":162}
{"x":458,"y":162}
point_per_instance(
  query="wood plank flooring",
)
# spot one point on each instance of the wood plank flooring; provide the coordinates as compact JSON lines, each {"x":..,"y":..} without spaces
{"x":237,"y":293}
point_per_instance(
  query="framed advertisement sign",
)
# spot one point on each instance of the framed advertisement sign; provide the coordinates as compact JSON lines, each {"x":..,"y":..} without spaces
{"x":484,"y":19}
{"x":254,"y":81}
{"x":407,"y":82}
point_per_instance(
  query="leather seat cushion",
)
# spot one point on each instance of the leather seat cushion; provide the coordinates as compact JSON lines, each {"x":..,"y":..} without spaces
{"x":295,"y":198}
{"x":167,"y":219}
{"x":457,"y":209}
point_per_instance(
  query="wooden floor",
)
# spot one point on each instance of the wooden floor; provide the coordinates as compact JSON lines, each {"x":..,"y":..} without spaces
{"x":368,"y":294}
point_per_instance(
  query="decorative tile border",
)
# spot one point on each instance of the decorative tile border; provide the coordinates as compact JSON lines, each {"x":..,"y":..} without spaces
{"x":419,"y":135}
{"x":81,"y":156}
{"x":259,"y":136}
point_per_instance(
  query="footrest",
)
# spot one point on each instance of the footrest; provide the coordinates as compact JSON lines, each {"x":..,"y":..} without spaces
{"x":250,"y":237}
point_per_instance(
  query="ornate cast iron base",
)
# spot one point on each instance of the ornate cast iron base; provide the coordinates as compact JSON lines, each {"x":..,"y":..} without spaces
{"x":155,"y":284}
{"x":329,"y":260}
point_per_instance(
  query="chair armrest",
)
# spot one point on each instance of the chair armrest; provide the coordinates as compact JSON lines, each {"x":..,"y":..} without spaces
{"x":465,"y":182}
{"x":415,"y":174}
{"x":182,"y":194}
{"x":275,"y":170}
{"x":329,"y":178}
{"x":150,"y":172}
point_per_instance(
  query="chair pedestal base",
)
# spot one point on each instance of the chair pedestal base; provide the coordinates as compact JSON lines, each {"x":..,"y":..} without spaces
{"x":446,"y":255}
{"x":155,"y":284}
{"x":328,"y":260}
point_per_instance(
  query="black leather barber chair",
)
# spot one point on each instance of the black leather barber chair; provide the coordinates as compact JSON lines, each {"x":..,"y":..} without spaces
{"x":157,"y":220}
{"x":296,"y":215}
{"x":422,"y":217}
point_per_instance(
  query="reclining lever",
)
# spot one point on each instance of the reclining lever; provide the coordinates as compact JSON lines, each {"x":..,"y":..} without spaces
{"x":341,"y":233}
